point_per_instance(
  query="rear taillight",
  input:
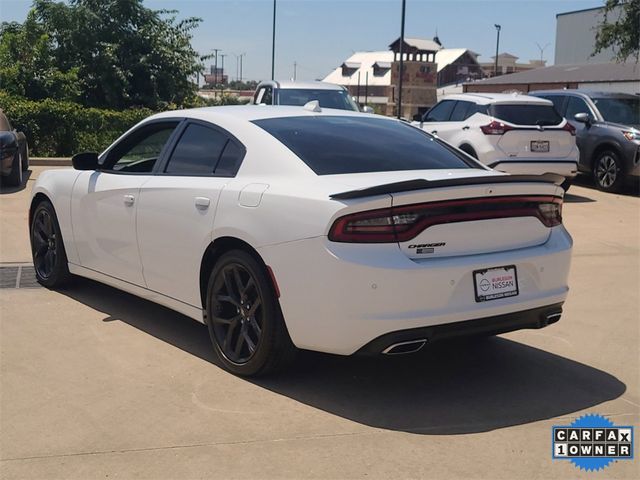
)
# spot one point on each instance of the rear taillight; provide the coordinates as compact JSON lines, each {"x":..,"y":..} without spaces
{"x":569,"y":128}
{"x":495,"y":128}
{"x":400,"y":224}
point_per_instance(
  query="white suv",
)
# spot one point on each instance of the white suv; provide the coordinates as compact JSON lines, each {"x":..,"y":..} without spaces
{"x":508,"y":132}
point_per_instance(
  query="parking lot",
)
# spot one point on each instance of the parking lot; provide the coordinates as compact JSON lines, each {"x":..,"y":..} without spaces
{"x":96,"y":383}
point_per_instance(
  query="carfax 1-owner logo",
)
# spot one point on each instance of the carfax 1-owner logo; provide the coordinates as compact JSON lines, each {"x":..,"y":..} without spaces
{"x":592,"y":442}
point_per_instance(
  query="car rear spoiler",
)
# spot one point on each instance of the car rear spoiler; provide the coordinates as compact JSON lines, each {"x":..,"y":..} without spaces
{"x":422,"y":184}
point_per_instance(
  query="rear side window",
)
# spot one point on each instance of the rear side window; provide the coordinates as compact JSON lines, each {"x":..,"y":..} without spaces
{"x":526,"y":114}
{"x":557,"y":101}
{"x":333,"y":145}
{"x":462,"y":111}
{"x":441,"y":112}
{"x":197,"y":151}
{"x":230,"y":160}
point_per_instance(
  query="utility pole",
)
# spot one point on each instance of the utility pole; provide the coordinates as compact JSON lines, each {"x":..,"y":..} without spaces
{"x":241,"y":55}
{"x":222,"y":76}
{"x":541,"y":50}
{"x":404,"y":4}
{"x":273,"y":44}
{"x":215,"y":70}
{"x":295,"y":65}
{"x":495,"y":69}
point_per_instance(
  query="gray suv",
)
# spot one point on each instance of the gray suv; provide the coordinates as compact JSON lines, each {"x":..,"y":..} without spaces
{"x":607,"y":133}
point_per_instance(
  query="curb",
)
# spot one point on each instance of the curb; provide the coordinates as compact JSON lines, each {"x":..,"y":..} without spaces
{"x":50,"y":161}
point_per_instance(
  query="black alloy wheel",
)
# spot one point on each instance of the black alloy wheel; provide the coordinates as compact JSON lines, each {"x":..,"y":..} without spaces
{"x":244,"y":319}
{"x":49,"y":257}
{"x":238,"y":316}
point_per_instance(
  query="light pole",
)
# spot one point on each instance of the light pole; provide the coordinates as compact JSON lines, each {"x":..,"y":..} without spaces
{"x":215,"y":67}
{"x":273,"y":44}
{"x":404,"y":4}
{"x":295,"y":70}
{"x":495,"y":69}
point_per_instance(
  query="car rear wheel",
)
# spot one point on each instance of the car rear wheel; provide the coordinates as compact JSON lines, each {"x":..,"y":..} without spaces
{"x":244,"y":318}
{"x":608,"y":172}
{"x":47,"y":248}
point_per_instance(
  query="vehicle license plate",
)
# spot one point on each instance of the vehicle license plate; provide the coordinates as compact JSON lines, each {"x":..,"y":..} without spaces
{"x":494,"y":283}
{"x":539,"y":145}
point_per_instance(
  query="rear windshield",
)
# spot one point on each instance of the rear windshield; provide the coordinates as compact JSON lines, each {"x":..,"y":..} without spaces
{"x":333,"y":145}
{"x":526,"y":114}
{"x":338,"y":99}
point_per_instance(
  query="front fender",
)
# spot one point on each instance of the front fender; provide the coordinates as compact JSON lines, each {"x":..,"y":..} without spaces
{"x":56,"y":186}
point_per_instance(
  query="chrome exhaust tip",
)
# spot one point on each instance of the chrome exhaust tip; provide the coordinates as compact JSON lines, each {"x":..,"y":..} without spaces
{"x":403,"y":348}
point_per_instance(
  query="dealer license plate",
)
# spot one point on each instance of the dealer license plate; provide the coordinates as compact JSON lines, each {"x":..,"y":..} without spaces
{"x":496,"y":282}
{"x":539,"y":145}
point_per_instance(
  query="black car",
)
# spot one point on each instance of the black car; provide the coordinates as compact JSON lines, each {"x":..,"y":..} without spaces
{"x":14,"y":153}
{"x":607,"y":133}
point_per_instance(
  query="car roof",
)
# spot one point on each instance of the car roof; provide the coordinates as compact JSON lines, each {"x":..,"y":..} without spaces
{"x":285,"y":85}
{"x":492,"y":98}
{"x":249,"y":113}
{"x":588,"y":93}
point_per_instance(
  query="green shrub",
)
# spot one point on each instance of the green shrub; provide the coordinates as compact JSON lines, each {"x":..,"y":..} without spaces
{"x":61,"y":129}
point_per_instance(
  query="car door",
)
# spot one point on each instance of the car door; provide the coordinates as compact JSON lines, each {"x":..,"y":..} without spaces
{"x":104,"y":203}
{"x":457,"y":130}
{"x":436,"y":120}
{"x":177,"y":208}
{"x":573,"y":106}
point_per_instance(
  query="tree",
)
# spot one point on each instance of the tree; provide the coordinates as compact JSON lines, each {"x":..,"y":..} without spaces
{"x":623,"y":34}
{"x":122,"y":53}
{"x":27,"y":63}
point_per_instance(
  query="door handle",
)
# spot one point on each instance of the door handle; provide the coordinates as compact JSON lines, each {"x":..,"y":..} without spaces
{"x":466,"y":127}
{"x":129,"y":200}
{"x":434,"y":132}
{"x":202,"y":202}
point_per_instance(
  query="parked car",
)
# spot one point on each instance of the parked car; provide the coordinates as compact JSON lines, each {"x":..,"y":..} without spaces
{"x":608,"y":133}
{"x":328,"y":95}
{"x":14,"y":153}
{"x":508,"y":132}
{"x":285,"y":228}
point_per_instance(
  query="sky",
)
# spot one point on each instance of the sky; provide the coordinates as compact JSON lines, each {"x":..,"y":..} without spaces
{"x":320,"y":34}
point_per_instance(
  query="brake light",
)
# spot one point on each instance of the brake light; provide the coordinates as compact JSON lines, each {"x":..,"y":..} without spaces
{"x":569,"y":128}
{"x":400,"y":224}
{"x":495,"y":128}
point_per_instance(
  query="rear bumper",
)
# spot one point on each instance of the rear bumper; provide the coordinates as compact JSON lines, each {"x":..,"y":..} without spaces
{"x":566,"y":168}
{"x":529,"y":319}
{"x":338,"y":297}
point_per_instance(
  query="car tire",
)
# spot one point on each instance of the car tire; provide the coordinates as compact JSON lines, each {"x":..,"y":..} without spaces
{"x":14,"y":179}
{"x":47,"y":247}
{"x":243,"y":315}
{"x":608,"y":171}
{"x":24,"y":152}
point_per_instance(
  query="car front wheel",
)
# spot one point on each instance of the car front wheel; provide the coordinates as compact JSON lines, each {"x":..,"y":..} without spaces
{"x":245,"y":323}
{"x":608,"y":172}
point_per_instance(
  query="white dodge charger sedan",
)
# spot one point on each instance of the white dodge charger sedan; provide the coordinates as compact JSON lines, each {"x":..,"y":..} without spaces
{"x":287,"y":228}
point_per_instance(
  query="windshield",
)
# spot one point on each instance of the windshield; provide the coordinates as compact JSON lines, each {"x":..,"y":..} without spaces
{"x":623,"y":110}
{"x":353,"y":144}
{"x":526,"y":114}
{"x":339,"y":99}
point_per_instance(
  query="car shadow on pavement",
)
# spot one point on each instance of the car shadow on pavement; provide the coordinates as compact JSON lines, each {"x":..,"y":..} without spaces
{"x":450,"y":388}
{"x":632,"y":189}
{"x":4,"y":190}
{"x":572,"y":198}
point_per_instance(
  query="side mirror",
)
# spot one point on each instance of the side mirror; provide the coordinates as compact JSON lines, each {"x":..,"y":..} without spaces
{"x":85,"y":161}
{"x":367,"y":109}
{"x":582,"y":118}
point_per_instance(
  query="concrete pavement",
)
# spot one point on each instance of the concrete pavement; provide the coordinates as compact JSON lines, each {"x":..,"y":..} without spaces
{"x":96,"y":383}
